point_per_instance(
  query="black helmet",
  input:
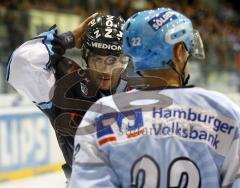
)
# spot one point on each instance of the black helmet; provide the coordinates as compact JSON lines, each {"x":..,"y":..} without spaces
{"x":104,"y":36}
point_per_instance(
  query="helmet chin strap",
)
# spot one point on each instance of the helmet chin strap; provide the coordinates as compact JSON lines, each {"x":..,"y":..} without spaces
{"x":184,"y":80}
{"x":182,"y":77}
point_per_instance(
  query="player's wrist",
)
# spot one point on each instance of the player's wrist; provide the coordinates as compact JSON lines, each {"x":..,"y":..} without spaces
{"x":68,"y":39}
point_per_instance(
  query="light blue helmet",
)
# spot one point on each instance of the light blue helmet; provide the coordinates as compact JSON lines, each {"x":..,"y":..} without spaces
{"x":149,"y":38}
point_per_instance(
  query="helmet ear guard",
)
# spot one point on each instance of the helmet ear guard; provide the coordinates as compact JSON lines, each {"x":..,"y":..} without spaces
{"x":179,"y":34}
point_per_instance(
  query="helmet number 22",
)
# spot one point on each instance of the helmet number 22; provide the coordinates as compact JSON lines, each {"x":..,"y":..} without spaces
{"x":136,"y":41}
{"x":182,"y":172}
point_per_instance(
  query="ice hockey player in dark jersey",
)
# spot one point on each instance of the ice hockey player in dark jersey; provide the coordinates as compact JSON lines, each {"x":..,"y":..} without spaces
{"x":62,"y":88}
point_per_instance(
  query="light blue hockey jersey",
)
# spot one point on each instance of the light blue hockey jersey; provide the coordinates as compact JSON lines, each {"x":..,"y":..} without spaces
{"x":182,"y":137}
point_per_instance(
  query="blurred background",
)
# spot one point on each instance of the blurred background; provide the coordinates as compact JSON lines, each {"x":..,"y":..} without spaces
{"x":218,"y":22}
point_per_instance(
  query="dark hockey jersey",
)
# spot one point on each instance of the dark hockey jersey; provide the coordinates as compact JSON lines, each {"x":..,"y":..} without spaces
{"x":63,"y":90}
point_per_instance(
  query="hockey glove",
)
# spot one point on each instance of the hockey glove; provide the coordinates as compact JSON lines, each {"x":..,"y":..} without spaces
{"x":54,"y":45}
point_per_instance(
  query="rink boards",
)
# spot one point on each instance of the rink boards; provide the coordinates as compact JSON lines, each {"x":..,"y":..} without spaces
{"x":28,"y":144}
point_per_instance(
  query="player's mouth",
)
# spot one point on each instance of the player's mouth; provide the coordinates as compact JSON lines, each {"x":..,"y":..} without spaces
{"x":104,"y":77}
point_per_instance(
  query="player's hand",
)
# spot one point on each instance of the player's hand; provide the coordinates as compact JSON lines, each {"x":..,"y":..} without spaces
{"x":58,"y":46}
{"x":54,"y":44}
{"x":81,"y":29}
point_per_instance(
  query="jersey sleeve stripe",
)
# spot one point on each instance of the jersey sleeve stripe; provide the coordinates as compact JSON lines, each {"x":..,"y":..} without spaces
{"x":107,"y":140}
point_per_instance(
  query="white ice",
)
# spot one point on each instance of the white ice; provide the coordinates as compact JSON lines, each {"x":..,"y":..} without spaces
{"x":50,"y":180}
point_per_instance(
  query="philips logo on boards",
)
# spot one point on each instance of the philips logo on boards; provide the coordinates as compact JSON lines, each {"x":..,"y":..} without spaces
{"x":160,"y":20}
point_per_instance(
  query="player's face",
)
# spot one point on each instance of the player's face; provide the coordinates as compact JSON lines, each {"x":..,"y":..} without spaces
{"x":106,"y":70}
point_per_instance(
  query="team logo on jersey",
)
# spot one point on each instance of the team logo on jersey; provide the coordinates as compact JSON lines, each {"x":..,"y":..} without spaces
{"x":111,"y":125}
{"x":162,"y":19}
{"x":84,"y":88}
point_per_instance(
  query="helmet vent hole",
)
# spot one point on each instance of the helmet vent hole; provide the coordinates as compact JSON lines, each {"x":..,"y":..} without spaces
{"x":128,"y":25}
{"x":129,"y":45}
{"x":134,"y":16}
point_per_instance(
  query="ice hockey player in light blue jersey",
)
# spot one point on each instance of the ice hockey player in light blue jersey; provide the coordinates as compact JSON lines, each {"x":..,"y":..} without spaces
{"x":163,"y":134}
